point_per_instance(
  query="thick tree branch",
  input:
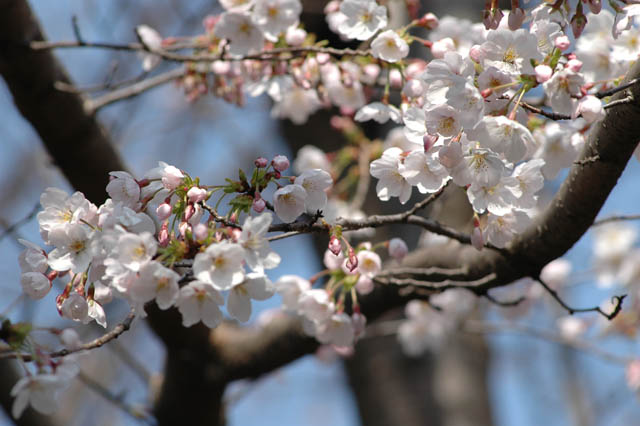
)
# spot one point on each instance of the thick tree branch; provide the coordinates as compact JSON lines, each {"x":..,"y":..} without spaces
{"x":570,"y":214}
{"x":70,"y":135}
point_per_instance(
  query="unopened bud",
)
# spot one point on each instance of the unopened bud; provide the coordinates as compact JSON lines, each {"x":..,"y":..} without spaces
{"x":543,"y":73}
{"x":261,"y":162}
{"x":562,"y":42}
{"x":295,"y":36}
{"x":440,"y":47}
{"x":574,"y":65}
{"x":163,"y":211}
{"x":189,"y":211}
{"x":280,"y":163}
{"x":477,"y":53}
{"x":398,"y":248}
{"x":196,"y":194}
{"x":429,"y":21}
{"x":259,"y":205}
{"x":334,"y":245}
{"x":163,"y":235}
{"x":352,"y":260}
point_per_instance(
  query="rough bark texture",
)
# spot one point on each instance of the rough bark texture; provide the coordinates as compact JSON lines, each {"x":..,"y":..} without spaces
{"x":70,"y":134}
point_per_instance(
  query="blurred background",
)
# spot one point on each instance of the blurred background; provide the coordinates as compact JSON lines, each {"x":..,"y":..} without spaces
{"x":503,"y":379}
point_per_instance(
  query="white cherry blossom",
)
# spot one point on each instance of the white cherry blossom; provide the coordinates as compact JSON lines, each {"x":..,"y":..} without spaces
{"x":220,"y":265}
{"x":123,"y":188}
{"x":337,"y":330}
{"x":41,"y":391}
{"x":274,"y":17}
{"x":315,"y":182}
{"x":60,"y":210}
{"x":72,"y":251}
{"x":500,"y":230}
{"x":289,"y":202}
{"x":156,"y":282}
{"x":311,"y":157}
{"x":152,"y":39}
{"x":379,"y":112}
{"x":363,"y":18}
{"x":255,"y":286}
{"x":290,"y":288}
{"x":33,"y":258}
{"x":424,"y":171}
{"x":36,"y":285}
{"x":237,"y":27}
{"x":511,"y":51}
{"x":390,"y":182}
{"x":198,"y":301}
{"x":257,"y":252}
{"x":389,"y":46}
{"x":316,"y":305}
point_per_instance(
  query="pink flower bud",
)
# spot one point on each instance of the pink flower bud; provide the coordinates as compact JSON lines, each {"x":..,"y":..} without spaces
{"x":477,"y":53}
{"x":370,"y":73}
{"x":261,"y":162}
{"x":259,"y":205}
{"x":334,"y":245}
{"x":323,"y":58}
{"x":163,"y":211}
{"x":398,"y":248}
{"x":477,"y":240}
{"x":189,"y":211}
{"x":395,"y":78}
{"x":590,"y":108}
{"x":280,"y":163}
{"x":163,"y":235}
{"x":200,"y":231}
{"x":440,"y":47}
{"x":413,"y":88}
{"x":574,"y":65}
{"x":295,"y":36}
{"x":429,"y":21}
{"x":543,"y":73}
{"x":428,"y":141}
{"x":221,"y":67}
{"x":562,"y":42}
{"x":352,"y":260}
{"x":516,"y":18}
{"x":196,"y":194}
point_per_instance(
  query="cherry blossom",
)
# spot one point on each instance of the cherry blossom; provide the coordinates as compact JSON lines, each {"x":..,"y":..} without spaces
{"x":390,"y":182}
{"x":274,"y":17}
{"x":389,"y":46}
{"x":255,"y":286}
{"x":289,"y":202}
{"x":363,"y":18}
{"x":315,"y":182}
{"x":198,"y":301}
{"x":237,"y":27}
{"x":220,"y":265}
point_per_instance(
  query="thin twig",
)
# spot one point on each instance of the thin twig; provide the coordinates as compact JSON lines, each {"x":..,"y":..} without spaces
{"x":176,"y":57}
{"x":616,"y":219}
{"x":617,"y":89}
{"x":93,"y":105}
{"x":616,"y":300}
{"x":96,"y":343}
{"x":11,"y":228}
